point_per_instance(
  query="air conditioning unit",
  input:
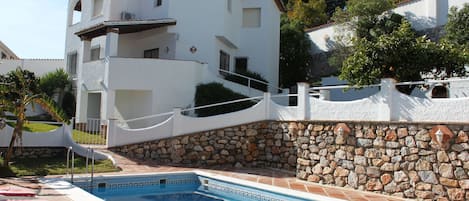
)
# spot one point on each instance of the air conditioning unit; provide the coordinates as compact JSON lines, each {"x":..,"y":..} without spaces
{"x":127,"y":16}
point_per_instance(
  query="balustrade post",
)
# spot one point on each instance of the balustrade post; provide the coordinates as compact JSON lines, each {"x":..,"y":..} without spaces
{"x":304,"y":111}
{"x":111,"y":133}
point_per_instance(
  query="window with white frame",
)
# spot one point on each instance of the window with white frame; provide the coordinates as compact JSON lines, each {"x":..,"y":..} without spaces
{"x":72,"y":63}
{"x":251,"y":17}
{"x":98,"y":7}
{"x":157,"y":3}
{"x":95,"y":53}
{"x":224,"y":61}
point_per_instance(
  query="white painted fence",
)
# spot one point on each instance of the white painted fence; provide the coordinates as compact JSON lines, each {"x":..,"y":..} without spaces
{"x":60,"y":137}
{"x":387,"y":105}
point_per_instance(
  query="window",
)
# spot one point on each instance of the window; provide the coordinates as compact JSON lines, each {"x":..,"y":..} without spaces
{"x":251,"y":17}
{"x":224,"y":61}
{"x":241,"y":64}
{"x":72,"y":63}
{"x":158,"y":3}
{"x":228,"y":5}
{"x":95,"y":53}
{"x":153,"y":53}
{"x":76,"y":13}
{"x":97,"y":8}
{"x":4,"y":56}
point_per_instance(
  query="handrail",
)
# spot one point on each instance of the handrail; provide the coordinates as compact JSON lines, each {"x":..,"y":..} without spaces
{"x":148,"y":117}
{"x":249,"y":79}
{"x":397,"y":84}
{"x":223,"y":103}
{"x":70,"y":170}
{"x":195,"y":108}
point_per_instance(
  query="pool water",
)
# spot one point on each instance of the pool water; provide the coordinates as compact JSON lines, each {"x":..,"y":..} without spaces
{"x":178,"y":187}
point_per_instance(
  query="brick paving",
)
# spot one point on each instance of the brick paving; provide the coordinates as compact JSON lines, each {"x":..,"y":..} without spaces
{"x":272,"y":177}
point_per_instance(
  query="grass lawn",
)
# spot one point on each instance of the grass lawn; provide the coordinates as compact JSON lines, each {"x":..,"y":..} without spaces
{"x":51,"y":166}
{"x":79,"y":136}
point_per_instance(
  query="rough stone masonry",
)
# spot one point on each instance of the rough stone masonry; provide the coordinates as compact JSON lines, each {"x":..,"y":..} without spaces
{"x":396,"y":159}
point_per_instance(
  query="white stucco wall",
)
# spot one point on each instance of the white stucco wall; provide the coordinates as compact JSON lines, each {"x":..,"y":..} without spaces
{"x":172,"y":82}
{"x":40,"y":67}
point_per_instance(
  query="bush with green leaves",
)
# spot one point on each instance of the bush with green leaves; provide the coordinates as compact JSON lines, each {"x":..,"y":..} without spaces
{"x":212,"y":93}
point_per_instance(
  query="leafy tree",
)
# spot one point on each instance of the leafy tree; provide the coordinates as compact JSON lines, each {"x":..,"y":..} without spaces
{"x":358,"y":10}
{"x":23,"y":90}
{"x":59,"y":83}
{"x":399,"y":55}
{"x":310,"y":12}
{"x":294,"y":53}
{"x":457,"y":28}
{"x":363,"y":18}
{"x":332,"y":5}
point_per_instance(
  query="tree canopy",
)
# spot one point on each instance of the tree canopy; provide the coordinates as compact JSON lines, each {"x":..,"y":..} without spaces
{"x":294,"y":53}
{"x":457,"y":28}
{"x":400,"y":55}
{"x":311,"y":13}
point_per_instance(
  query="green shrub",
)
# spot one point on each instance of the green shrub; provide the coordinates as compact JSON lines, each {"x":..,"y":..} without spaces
{"x":244,"y":81}
{"x":212,"y":93}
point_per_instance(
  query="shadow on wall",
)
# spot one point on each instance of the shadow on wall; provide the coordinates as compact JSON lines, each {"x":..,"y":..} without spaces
{"x":420,"y":22}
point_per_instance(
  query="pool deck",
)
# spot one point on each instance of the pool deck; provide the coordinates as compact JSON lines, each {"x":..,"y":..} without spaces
{"x":272,"y":177}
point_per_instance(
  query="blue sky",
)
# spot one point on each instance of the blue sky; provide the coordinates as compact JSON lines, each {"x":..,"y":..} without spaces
{"x":34,"y":28}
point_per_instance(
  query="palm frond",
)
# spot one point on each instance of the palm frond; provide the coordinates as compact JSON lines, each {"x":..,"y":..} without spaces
{"x":49,"y":105}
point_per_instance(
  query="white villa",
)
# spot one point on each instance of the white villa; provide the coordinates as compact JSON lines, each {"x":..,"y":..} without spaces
{"x":133,"y":58}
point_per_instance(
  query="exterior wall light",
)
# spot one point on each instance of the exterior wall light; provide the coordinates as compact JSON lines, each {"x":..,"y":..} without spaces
{"x":342,"y":131}
{"x":441,"y":136}
{"x":193,"y":49}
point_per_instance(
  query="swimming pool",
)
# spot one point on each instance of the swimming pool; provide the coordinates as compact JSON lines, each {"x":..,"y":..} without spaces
{"x":194,"y":185}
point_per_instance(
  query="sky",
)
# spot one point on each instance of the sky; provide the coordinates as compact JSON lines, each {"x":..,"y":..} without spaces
{"x":34,"y":28}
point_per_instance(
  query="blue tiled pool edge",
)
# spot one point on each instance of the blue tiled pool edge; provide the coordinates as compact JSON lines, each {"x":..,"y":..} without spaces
{"x":78,"y":194}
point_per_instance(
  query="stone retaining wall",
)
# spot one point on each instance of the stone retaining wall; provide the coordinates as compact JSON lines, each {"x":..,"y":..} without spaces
{"x":264,"y":144}
{"x":35,"y":152}
{"x":394,"y":159}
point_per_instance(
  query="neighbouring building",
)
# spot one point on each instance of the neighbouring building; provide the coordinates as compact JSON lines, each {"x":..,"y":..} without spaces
{"x":426,"y":16}
{"x":6,"y":53}
{"x":134,"y":58}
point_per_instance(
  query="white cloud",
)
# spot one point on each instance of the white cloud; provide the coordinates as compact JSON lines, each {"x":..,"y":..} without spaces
{"x":34,"y":28}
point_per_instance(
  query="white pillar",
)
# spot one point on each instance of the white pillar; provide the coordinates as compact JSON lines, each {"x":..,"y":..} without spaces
{"x":111,"y":133}
{"x":107,"y":104}
{"x":304,"y":110}
{"x":82,"y":94}
{"x":267,"y":101}
{"x":177,"y":122}
{"x":388,"y":87}
{"x":112,"y":43}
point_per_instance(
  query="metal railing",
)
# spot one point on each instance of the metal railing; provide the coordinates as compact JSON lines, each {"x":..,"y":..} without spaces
{"x":70,"y":163}
{"x":250,"y":80}
{"x":91,"y":132}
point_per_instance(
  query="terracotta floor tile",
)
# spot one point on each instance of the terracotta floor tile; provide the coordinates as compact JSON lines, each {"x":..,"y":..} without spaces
{"x":298,"y":186}
{"x":265,"y":180}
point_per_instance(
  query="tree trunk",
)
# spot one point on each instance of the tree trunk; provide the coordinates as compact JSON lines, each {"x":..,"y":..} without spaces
{"x":16,"y":133}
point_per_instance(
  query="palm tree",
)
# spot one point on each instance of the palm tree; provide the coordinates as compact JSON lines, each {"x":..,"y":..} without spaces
{"x":21,"y":88}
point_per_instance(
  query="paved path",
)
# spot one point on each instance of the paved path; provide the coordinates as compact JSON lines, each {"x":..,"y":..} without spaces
{"x":265,"y":176}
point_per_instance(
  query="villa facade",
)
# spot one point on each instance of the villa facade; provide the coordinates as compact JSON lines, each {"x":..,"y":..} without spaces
{"x":133,"y":58}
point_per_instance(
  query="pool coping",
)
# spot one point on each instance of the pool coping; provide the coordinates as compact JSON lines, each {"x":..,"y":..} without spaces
{"x":62,"y":186}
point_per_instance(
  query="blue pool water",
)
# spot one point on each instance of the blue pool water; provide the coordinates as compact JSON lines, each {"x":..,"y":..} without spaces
{"x":177,"y":187}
